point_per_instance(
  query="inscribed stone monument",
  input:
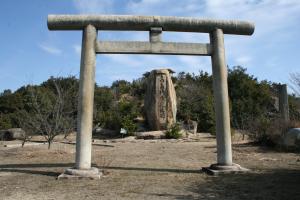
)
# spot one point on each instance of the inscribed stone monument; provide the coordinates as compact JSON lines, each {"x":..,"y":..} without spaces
{"x":160,"y":100}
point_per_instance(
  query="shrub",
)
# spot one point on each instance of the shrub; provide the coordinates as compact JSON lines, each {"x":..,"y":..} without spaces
{"x":128,"y":125}
{"x":269,"y":132}
{"x":173,"y":132}
{"x":195,"y":100}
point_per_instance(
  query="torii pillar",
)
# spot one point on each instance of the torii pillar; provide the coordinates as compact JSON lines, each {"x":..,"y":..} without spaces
{"x":83,"y":158}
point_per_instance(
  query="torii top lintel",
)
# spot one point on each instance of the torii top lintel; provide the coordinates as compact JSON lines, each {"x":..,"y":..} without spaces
{"x":144,"y":23}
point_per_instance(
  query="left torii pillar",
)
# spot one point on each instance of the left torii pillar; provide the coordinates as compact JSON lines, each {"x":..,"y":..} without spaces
{"x":83,"y":168}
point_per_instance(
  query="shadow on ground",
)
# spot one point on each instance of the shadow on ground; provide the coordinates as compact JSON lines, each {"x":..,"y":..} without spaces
{"x":280,"y":184}
{"x":28,"y":168}
{"x":100,"y":145}
{"x":152,"y":169}
{"x":21,"y":168}
{"x":256,"y":147}
{"x":275,"y":184}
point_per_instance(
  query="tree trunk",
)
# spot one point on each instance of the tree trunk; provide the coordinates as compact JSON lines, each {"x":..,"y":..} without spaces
{"x":49,"y":144}
{"x":23,"y":143}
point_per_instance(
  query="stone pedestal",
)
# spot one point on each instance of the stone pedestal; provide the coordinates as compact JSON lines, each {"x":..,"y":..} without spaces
{"x":216,"y":169}
{"x":72,"y":173}
{"x":160,"y":100}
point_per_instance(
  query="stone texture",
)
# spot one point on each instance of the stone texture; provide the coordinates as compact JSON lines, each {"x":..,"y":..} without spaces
{"x":86,"y":99}
{"x":160,"y":100}
{"x":150,"y":135}
{"x":221,"y":99}
{"x":292,"y":138}
{"x":283,"y":102}
{"x":190,"y":126}
{"x":165,"y":48}
{"x":12,"y":134}
{"x":143,"y":23}
{"x":216,"y":169}
{"x":72,"y":173}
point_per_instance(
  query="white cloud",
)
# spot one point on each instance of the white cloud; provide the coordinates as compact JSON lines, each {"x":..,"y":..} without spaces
{"x":50,"y":49}
{"x":243,"y":60}
{"x":164,"y":7}
{"x":276,"y":27}
{"x":93,"y":6}
{"x":77,"y":49}
{"x":194,"y":63}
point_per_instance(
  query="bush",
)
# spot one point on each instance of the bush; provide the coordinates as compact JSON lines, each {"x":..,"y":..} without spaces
{"x":269,"y":132}
{"x":173,"y":132}
{"x":195,"y":100}
{"x":128,"y":125}
{"x":109,"y":119}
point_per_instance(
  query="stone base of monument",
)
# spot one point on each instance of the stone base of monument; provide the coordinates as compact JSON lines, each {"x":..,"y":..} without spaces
{"x":216,"y":169}
{"x":72,"y":173}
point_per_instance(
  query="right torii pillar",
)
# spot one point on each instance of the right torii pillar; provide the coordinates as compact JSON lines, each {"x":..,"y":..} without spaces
{"x":220,"y":87}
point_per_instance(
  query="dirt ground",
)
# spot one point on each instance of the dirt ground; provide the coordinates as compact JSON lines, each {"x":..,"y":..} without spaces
{"x":148,"y":169}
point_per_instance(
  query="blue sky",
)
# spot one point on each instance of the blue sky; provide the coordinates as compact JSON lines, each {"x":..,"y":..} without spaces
{"x":30,"y":53}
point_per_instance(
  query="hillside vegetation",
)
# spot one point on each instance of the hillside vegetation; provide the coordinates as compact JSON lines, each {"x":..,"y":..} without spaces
{"x":51,"y":107}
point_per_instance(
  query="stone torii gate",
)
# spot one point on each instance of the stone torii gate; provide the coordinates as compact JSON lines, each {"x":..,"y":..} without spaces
{"x":89,"y":24}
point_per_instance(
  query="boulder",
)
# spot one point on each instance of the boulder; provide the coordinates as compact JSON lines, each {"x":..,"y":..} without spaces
{"x":150,"y":135}
{"x":292,"y":138}
{"x":102,"y":133}
{"x":12,"y":134}
{"x":190,"y":126}
{"x":160,"y":100}
{"x":4,"y":135}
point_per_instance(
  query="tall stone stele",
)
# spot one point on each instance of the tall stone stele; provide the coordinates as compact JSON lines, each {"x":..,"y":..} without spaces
{"x":160,"y":100}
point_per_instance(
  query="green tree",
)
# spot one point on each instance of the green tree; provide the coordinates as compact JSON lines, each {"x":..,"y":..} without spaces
{"x":195,"y":100}
{"x":249,"y":98}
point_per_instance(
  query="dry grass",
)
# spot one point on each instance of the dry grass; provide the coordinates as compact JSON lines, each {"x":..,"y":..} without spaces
{"x":148,"y":170}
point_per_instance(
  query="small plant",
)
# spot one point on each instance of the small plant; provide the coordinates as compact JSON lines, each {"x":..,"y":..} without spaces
{"x":173,"y":132}
{"x":128,"y":125}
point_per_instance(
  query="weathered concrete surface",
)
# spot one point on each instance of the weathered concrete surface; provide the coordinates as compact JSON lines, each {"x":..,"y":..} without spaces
{"x":145,"y":23}
{"x":86,"y":99}
{"x":216,"y":169}
{"x":155,"y":34}
{"x":221,"y":100}
{"x":166,"y":48}
{"x":160,"y":100}
{"x":92,"y":173}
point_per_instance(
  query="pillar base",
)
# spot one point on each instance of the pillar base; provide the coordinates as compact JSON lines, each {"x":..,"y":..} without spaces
{"x":72,"y":173}
{"x":216,"y":169}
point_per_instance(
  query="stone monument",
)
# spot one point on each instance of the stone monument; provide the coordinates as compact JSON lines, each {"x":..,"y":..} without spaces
{"x":283,"y":102}
{"x":160,"y":100}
